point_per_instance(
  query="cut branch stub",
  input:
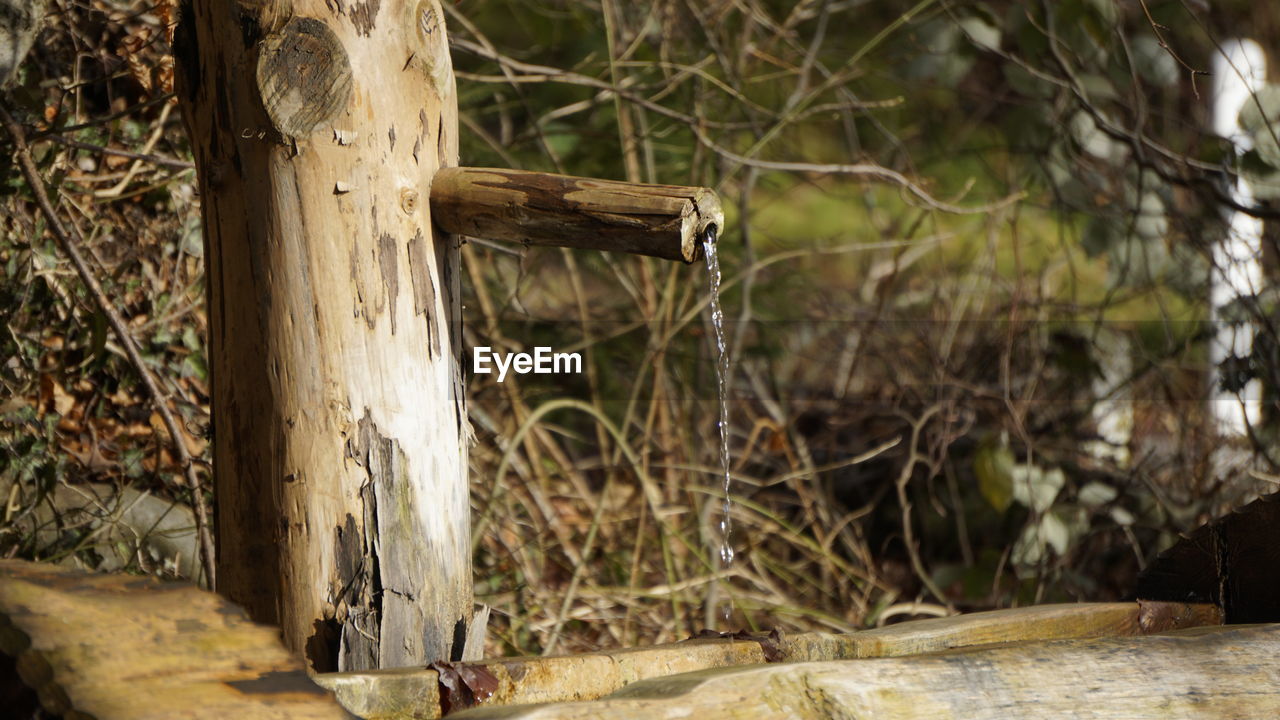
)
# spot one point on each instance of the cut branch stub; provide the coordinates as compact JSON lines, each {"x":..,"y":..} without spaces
{"x":665,"y":221}
{"x":304,"y":76}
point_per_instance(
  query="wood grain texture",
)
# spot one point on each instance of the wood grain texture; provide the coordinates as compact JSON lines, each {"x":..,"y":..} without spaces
{"x":532,"y":208}
{"x":1038,"y":622}
{"x":340,"y":469}
{"x":410,"y":693}
{"x":1234,"y":672}
{"x":416,"y":693}
{"x":121,"y":646}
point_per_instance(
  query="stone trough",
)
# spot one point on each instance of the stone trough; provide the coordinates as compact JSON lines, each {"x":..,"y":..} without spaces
{"x":118,"y":646}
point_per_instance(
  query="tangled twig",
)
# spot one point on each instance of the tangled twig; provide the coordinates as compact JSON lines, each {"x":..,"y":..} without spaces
{"x":32,"y":175}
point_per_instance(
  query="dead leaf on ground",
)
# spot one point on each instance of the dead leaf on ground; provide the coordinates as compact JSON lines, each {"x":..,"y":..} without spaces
{"x":55,"y":397}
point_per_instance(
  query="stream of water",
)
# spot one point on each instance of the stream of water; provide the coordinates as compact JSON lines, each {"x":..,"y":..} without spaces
{"x":722,"y":384}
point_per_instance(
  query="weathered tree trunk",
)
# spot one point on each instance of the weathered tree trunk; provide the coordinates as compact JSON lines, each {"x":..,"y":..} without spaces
{"x":341,"y":487}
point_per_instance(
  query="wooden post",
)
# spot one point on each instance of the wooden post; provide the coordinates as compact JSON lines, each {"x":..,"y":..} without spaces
{"x":339,"y":420}
{"x":341,"y":472}
{"x":664,"y":221}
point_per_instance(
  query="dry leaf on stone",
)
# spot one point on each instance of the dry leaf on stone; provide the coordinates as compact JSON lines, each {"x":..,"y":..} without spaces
{"x":462,"y":686}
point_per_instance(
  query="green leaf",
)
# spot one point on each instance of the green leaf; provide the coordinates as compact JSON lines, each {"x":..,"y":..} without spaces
{"x":993,"y":464}
{"x":1028,"y":550}
{"x":1260,"y":118}
{"x":191,"y":339}
{"x":1096,"y":494}
{"x":1055,"y":532}
{"x":1265,"y":185}
{"x":1036,"y":487}
{"x":194,"y":366}
{"x":131,"y":460}
{"x":1121,"y":516}
{"x":981,"y":32}
{"x":1105,"y":11}
{"x":1098,"y":87}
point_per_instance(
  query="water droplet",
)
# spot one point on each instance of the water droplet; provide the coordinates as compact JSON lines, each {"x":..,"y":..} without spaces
{"x":726,"y":556}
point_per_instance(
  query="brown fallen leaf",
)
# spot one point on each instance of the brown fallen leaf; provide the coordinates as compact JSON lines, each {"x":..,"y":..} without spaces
{"x":55,"y":397}
{"x":463,"y":686}
{"x":89,"y":454}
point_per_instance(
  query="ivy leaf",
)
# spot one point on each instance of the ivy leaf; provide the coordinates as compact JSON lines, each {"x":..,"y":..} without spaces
{"x":1036,"y":487}
{"x":981,"y":32}
{"x":1260,"y":119}
{"x":993,"y":465}
{"x":1096,"y":494}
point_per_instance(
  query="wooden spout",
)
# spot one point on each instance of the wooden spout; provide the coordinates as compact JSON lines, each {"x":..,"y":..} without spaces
{"x":533,"y":208}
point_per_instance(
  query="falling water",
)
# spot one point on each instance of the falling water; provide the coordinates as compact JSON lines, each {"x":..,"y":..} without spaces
{"x":722,"y":382}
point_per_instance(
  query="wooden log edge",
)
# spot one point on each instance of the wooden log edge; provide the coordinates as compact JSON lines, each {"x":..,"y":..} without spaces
{"x":101,"y":644}
{"x":535,"y":208}
{"x":418,"y":693}
{"x":94,"y":645}
{"x":1229,"y":671}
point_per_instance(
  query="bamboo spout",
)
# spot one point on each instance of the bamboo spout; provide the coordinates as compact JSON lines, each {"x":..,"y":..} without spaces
{"x":665,"y":221}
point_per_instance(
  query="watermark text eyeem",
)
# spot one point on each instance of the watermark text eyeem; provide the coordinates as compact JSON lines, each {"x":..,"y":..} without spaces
{"x":541,"y":362}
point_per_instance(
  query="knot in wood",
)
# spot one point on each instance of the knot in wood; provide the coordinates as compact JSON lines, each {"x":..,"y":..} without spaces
{"x":409,"y":201}
{"x":304,"y":76}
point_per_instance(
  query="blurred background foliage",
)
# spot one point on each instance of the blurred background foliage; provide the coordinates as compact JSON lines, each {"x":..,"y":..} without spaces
{"x":966,"y":284}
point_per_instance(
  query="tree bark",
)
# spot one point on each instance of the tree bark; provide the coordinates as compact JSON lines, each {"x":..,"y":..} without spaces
{"x":665,"y":221}
{"x":339,"y":419}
